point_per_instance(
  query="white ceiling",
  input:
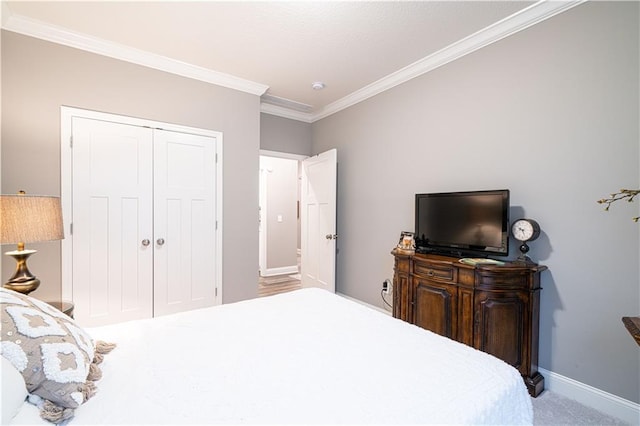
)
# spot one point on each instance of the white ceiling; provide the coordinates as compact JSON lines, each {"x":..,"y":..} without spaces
{"x":278,"y":49}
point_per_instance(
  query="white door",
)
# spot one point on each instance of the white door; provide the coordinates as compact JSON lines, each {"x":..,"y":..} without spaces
{"x":318,"y":221}
{"x":144,"y":221}
{"x":184,"y":222}
{"x":112,"y":216}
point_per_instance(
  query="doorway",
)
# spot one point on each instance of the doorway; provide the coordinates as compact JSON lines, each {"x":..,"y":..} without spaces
{"x":279,"y":223}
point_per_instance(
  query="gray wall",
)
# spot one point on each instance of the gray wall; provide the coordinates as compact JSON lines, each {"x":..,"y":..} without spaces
{"x":280,"y":177}
{"x":550,"y":113}
{"x":284,"y":135}
{"x":38,"y":77}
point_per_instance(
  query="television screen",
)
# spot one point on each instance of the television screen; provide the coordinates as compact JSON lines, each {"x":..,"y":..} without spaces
{"x":463,"y":223}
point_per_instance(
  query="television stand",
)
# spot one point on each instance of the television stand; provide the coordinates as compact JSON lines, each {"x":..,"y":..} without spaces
{"x":493,"y":308}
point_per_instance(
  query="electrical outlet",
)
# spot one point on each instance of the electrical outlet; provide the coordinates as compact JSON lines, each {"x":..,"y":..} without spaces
{"x":386,"y":286}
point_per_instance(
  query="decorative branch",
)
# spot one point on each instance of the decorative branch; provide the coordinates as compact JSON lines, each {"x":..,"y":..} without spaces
{"x":623,"y":194}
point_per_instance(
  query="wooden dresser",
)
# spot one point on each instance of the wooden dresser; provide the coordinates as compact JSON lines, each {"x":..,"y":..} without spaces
{"x":492,"y":308}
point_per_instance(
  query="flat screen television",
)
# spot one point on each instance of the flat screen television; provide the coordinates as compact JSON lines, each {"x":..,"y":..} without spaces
{"x":464,"y":224}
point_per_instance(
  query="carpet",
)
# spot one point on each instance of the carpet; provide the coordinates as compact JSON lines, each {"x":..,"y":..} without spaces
{"x":553,"y":409}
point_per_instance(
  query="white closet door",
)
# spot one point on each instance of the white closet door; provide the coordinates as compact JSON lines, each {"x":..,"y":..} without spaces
{"x":112,"y":216}
{"x":184,"y":221}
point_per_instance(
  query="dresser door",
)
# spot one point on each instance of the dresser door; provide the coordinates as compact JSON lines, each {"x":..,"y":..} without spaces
{"x":500,"y":322}
{"x":435,"y":306}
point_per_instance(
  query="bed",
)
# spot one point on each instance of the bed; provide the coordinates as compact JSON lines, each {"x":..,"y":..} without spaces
{"x":304,"y":357}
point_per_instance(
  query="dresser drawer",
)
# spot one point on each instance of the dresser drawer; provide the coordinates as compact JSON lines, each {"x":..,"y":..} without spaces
{"x":503,"y":278}
{"x":436,"y":271}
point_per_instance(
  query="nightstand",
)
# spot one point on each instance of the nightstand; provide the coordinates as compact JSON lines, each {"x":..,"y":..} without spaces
{"x":65,"y":307}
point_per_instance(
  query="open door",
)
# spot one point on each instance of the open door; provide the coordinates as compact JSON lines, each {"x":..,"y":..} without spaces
{"x":318,"y":221}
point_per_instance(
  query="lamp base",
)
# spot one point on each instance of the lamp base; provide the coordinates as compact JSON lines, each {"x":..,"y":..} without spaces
{"x":23,"y":287}
{"x":22,"y":281}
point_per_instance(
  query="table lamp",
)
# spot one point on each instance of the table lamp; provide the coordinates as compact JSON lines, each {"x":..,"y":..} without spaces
{"x":27,"y":219}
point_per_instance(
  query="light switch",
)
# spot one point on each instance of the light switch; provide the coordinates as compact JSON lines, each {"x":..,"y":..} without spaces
{"x":279,"y":218}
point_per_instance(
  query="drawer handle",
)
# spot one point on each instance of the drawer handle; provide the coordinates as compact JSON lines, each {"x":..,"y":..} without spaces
{"x":430,"y":273}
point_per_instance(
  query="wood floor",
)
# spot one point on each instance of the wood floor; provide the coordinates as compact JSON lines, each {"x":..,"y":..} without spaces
{"x":268,"y":286}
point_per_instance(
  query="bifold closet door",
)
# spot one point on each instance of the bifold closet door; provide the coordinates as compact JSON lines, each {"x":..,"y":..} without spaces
{"x":184,"y":221}
{"x":112,"y":221}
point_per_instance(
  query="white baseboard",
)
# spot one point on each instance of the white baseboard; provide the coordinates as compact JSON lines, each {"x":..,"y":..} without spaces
{"x":269,"y":272}
{"x":605,"y":402}
{"x":384,"y":311}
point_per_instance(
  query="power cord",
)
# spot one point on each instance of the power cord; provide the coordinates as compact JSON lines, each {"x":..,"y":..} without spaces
{"x":385,"y":300}
{"x":388,"y":288}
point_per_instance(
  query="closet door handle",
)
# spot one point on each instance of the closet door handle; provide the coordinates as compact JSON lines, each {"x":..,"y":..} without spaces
{"x":160,"y":241}
{"x":146,"y":242}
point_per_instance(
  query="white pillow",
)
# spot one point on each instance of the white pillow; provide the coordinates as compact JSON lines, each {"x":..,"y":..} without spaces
{"x":14,"y":390}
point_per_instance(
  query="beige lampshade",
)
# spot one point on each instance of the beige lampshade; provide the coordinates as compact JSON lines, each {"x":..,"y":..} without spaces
{"x":30,"y":218}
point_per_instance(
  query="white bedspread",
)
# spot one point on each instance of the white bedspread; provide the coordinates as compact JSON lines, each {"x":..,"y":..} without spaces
{"x":306,"y":357}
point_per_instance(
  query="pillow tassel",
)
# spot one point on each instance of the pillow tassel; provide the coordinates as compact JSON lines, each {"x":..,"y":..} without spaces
{"x":88,"y":390}
{"x":54,"y":413}
{"x":97,"y":358}
{"x":104,"y":348}
{"x":95,"y":373}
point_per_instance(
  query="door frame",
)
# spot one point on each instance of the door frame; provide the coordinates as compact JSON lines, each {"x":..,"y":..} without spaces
{"x":66,"y":181}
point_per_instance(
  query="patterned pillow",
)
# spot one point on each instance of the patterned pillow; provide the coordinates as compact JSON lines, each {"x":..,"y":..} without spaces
{"x":56,"y":358}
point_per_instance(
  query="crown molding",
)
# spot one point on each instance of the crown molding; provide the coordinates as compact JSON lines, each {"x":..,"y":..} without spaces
{"x":508,"y":26}
{"x":285,"y":112}
{"x":285,"y":103}
{"x":517,"y":22}
{"x":30,"y":27}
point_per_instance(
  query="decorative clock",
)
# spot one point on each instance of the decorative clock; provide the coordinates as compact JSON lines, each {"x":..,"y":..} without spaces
{"x":525,"y":230}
